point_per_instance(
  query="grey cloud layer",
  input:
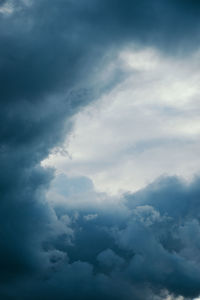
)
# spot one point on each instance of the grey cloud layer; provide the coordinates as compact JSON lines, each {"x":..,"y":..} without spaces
{"x":145,"y":246}
{"x":51,"y":55}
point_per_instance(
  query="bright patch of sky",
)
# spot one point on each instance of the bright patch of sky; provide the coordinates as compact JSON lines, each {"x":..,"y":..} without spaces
{"x":6,"y":8}
{"x":147,"y":126}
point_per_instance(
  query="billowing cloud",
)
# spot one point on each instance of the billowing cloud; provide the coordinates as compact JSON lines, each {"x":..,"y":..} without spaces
{"x":146,"y":245}
{"x":55,"y":58}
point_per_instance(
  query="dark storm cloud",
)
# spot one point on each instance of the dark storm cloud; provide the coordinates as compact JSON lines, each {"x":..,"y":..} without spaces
{"x":51,"y":55}
{"x":151,"y":245}
{"x":134,"y":250}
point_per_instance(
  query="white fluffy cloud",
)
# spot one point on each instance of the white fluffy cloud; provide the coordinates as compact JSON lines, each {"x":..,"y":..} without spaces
{"x":146,"y":126}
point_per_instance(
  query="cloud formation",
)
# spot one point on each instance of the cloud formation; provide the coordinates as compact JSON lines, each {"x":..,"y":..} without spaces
{"x":52,"y":60}
{"x":144,"y":246}
{"x":149,"y":123}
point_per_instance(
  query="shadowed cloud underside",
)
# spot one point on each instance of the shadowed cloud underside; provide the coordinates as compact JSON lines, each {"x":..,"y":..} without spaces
{"x":55,"y":59}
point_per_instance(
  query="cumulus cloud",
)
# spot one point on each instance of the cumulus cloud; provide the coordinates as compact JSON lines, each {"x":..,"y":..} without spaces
{"x":54,"y":57}
{"x":145,"y":247}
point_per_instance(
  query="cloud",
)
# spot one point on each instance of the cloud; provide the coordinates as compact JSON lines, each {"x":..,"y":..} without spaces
{"x":52,"y":60}
{"x":150,"y":248}
{"x":149,"y":125}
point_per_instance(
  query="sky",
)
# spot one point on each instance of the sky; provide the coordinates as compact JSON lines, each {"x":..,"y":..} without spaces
{"x":99,"y":150}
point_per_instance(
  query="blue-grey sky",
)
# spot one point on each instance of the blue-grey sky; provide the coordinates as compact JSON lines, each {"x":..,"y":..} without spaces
{"x":99,"y":149}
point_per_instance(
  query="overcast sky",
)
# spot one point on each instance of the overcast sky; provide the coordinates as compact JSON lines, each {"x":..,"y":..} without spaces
{"x":99,"y":150}
{"x":146,"y":126}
